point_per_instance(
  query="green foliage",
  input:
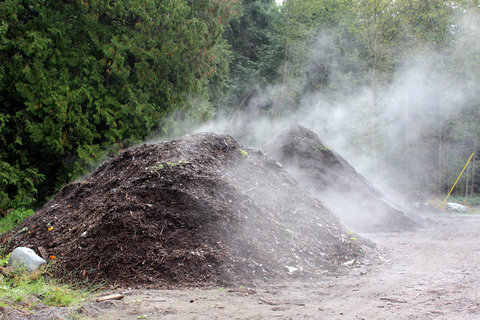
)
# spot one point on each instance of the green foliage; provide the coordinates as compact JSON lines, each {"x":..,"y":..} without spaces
{"x":289,"y":180}
{"x":290,"y":233}
{"x":319,"y":148}
{"x":81,"y":80}
{"x":349,"y":232}
{"x":168,"y":164}
{"x":475,"y":201}
{"x":384,"y":52}
{"x":158,"y":166}
{"x":18,"y":287}
{"x":322,"y":45}
{"x":249,"y":36}
{"x":18,"y":184}
{"x":172,"y":164}
{"x":19,"y":175}
{"x":4,"y":258}
{"x":13,"y":218}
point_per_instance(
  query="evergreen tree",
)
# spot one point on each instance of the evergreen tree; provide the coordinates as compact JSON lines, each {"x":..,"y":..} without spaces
{"x":83,"y":79}
{"x":248,"y":36}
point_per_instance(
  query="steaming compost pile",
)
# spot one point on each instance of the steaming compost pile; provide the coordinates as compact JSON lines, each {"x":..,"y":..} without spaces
{"x":198,"y":210}
{"x":333,"y":180}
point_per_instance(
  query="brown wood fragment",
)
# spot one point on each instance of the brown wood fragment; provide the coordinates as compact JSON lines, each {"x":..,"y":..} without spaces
{"x":43,"y":253}
{"x":161,"y":300}
{"x":243,"y":290}
{"x":115,"y":296}
{"x":394,"y":300}
{"x":270,"y":302}
{"x":279,"y":303}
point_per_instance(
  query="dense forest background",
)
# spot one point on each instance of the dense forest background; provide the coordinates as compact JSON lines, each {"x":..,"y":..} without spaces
{"x":393,"y":85}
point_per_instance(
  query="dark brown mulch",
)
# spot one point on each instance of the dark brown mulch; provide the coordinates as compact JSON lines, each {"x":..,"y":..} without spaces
{"x":325,"y":173}
{"x":198,"y":210}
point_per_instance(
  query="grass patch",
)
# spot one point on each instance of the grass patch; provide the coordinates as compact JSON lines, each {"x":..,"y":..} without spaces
{"x":22,"y":290}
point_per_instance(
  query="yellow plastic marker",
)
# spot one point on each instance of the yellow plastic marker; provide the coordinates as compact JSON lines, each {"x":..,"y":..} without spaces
{"x":457,"y":180}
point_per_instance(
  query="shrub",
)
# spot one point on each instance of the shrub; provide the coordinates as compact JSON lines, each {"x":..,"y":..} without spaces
{"x":13,"y":218}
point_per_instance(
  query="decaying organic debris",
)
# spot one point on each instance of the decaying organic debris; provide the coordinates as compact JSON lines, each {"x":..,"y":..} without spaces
{"x":326,"y":174}
{"x":198,"y":210}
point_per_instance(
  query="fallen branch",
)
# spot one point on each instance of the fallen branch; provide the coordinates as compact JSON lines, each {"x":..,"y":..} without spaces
{"x":394,"y":300}
{"x":279,"y":303}
{"x":162,"y":300}
{"x":115,"y":296}
{"x":243,"y":290}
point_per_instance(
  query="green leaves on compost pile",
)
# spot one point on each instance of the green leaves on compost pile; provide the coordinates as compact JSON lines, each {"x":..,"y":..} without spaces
{"x":82,"y":79}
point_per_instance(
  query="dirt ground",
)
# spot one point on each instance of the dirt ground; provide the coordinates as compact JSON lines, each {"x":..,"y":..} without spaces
{"x":431,"y":273}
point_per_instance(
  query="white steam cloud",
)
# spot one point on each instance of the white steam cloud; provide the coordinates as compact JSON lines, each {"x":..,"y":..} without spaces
{"x":432,"y":87}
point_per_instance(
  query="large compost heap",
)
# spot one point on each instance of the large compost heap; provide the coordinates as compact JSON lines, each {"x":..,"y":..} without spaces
{"x":333,"y":180}
{"x":198,"y":210}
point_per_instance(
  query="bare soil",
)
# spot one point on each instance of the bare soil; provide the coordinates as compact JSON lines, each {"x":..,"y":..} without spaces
{"x":426,"y":274}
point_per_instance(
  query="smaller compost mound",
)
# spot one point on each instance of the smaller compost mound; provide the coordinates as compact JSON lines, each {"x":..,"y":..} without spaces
{"x":198,"y":210}
{"x":333,"y":180}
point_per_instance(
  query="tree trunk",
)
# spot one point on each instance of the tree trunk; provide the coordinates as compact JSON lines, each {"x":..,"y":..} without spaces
{"x":285,"y":63}
{"x":406,"y":141}
{"x":324,"y":71}
{"x":473,"y":166}
{"x":466,"y":182}
{"x":373,"y":85}
{"x":440,"y":156}
{"x":440,"y":133}
{"x":447,"y":171}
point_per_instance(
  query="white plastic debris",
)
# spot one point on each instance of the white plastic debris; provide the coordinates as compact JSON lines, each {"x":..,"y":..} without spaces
{"x":292,"y":269}
{"x":456,"y":207}
{"x":348,"y":263}
{"x":23,"y":257}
